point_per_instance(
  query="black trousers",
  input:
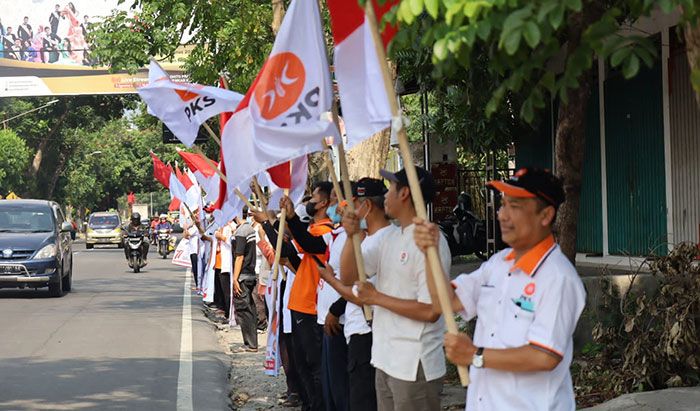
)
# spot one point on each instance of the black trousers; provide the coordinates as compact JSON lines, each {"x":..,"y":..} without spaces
{"x":194,"y":259}
{"x":225,"y":286}
{"x":218,"y":292}
{"x":334,"y":371}
{"x":363,"y":395}
{"x":307,"y":354}
{"x":287,"y":348}
{"x":246,"y":313}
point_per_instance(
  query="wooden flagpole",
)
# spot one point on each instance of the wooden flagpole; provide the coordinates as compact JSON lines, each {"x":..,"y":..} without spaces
{"x":418,"y":201}
{"x":280,"y":235}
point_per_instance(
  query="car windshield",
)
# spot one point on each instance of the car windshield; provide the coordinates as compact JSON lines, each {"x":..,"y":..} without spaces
{"x":104,"y":221}
{"x":24,"y":219}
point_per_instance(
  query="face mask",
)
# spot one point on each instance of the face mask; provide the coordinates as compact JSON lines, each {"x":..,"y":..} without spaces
{"x":300,"y":210}
{"x":333,"y":215}
{"x":311,"y":209}
{"x":363,"y":220}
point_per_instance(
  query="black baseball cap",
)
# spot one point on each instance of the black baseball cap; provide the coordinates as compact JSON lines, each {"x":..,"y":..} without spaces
{"x":369,"y":187}
{"x":427,"y":184}
{"x":531,"y":182}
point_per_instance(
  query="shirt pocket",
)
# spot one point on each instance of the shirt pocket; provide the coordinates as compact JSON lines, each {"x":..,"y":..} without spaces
{"x":487,"y":303}
{"x":516,"y":323}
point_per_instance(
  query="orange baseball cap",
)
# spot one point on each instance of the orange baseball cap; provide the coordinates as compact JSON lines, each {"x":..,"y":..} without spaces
{"x":530,"y":182}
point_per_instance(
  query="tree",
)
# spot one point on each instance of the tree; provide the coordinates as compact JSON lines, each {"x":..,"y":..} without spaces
{"x":14,"y":158}
{"x":520,"y":38}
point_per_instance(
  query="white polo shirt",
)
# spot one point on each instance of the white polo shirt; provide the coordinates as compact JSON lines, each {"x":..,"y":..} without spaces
{"x":536,"y":301}
{"x":399,"y":343}
{"x":355,"y":322}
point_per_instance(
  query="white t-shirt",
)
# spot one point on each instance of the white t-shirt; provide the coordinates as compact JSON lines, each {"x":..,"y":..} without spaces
{"x":193,"y":241}
{"x":225,"y":247}
{"x":399,"y":343}
{"x":536,"y":301}
{"x":327,"y":294}
{"x":355,"y":322}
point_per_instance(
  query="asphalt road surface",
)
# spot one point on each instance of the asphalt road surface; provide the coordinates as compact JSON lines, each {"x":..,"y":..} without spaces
{"x":119,"y":340}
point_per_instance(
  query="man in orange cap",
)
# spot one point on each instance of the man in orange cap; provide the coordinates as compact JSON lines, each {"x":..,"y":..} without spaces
{"x":528,"y":299}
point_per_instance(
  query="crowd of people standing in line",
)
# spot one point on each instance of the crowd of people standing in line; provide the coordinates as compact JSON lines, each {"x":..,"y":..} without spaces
{"x":527,"y":298}
{"x":62,"y":40}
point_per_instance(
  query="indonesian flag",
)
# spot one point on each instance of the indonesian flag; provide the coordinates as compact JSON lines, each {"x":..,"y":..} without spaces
{"x":177,"y":189}
{"x":203,"y":172}
{"x":174,"y":204}
{"x":280,"y":117}
{"x":280,"y":177}
{"x":363,"y":98}
{"x":183,"y":107}
{"x":191,"y":194}
{"x":161,"y":172}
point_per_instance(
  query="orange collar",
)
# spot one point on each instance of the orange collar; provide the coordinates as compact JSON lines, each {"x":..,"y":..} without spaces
{"x":531,"y":260}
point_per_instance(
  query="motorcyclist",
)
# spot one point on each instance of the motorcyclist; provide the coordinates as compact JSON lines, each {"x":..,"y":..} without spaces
{"x":163,"y":223}
{"x":154,"y":234}
{"x":136,"y":227}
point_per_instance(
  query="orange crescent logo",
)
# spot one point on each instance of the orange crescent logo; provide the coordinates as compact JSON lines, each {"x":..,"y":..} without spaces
{"x":280,"y":84}
{"x":530,"y":289}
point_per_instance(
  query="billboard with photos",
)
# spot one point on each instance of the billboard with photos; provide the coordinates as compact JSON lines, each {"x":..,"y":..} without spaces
{"x":44,"y":51}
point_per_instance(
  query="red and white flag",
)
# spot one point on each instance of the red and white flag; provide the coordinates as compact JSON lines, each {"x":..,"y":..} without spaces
{"x":177,"y":189}
{"x":280,"y":177}
{"x":280,"y":117}
{"x":183,"y":107}
{"x":161,"y":172}
{"x":186,"y":190}
{"x":204,"y":173}
{"x":363,"y":98}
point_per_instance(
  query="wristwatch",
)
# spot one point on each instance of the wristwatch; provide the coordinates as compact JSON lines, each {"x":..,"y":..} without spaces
{"x":478,"y":360}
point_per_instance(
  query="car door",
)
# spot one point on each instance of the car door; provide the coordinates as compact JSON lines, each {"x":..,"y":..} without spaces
{"x":63,"y":240}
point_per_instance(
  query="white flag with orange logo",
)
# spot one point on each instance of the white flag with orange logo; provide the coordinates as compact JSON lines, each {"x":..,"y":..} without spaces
{"x":280,"y":117}
{"x":183,"y":107}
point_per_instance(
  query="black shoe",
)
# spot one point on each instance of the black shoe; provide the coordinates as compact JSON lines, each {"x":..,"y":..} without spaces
{"x":292,"y":401}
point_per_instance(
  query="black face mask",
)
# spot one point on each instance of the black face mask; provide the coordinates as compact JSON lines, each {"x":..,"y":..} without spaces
{"x":311,"y":209}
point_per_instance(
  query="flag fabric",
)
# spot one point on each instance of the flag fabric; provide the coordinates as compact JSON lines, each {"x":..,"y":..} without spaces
{"x":280,"y":118}
{"x":177,"y":190}
{"x":296,"y":180}
{"x":363,"y":98}
{"x":161,"y":172}
{"x":205,"y":175}
{"x":181,"y":256}
{"x":192,"y":193}
{"x":184,"y":107}
{"x":174,"y":204}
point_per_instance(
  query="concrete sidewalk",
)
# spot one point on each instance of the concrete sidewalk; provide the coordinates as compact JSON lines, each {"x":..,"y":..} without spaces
{"x":672,"y":399}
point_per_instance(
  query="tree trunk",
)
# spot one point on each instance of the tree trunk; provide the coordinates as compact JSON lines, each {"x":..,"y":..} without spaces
{"x":692,"y":45}
{"x":569,"y":153}
{"x":57,"y":174}
{"x":365,"y":159}
{"x":35,"y":166}
{"x":570,"y":139}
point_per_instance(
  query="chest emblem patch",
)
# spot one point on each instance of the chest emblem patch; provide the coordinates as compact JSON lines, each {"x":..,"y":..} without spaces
{"x":403,"y":257}
{"x":529,"y":289}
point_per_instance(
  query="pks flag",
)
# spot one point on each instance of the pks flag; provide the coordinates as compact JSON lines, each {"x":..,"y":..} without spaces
{"x":363,"y":98}
{"x":280,"y":117}
{"x":183,"y":107}
{"x":161,"y":172}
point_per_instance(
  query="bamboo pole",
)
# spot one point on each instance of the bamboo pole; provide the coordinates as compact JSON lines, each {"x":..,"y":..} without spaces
{"x":418,"y":201}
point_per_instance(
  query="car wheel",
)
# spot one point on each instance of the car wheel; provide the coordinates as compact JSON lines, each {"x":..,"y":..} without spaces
{"x":68,"y":279}
{"x":89,"y":246}
{"x":56,"y":289}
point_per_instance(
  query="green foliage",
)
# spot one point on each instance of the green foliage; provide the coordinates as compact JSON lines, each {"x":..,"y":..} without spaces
{"x":646,"y":338}
{"x":232,"y":37}
{"x":111,"y":162}
{"x":516,"y":41}
{"x":14,"y":159}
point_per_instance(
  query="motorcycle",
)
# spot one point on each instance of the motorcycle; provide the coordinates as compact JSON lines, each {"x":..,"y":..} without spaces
{"x":465,"y":232}
{"x":165,"y":242}
{"x":134,"y":240}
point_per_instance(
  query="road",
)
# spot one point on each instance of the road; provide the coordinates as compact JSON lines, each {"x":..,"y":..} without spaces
{"x":117,"y":341}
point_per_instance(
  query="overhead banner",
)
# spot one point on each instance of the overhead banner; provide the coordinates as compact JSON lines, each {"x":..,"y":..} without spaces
{"x":44,"y":52}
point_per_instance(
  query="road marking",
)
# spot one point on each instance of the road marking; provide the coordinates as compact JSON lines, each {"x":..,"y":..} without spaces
{"x":184,"y":376}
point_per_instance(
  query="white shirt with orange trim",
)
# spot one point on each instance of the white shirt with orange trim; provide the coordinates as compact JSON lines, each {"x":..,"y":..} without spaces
{"x":536,"y":301}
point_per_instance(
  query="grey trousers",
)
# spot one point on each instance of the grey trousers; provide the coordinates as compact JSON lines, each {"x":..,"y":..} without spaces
{"x":399,"y":395}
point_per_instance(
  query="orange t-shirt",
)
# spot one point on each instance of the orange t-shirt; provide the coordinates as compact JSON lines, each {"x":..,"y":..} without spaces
{"x":217,"y":261}
{"x":303,"y":296}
